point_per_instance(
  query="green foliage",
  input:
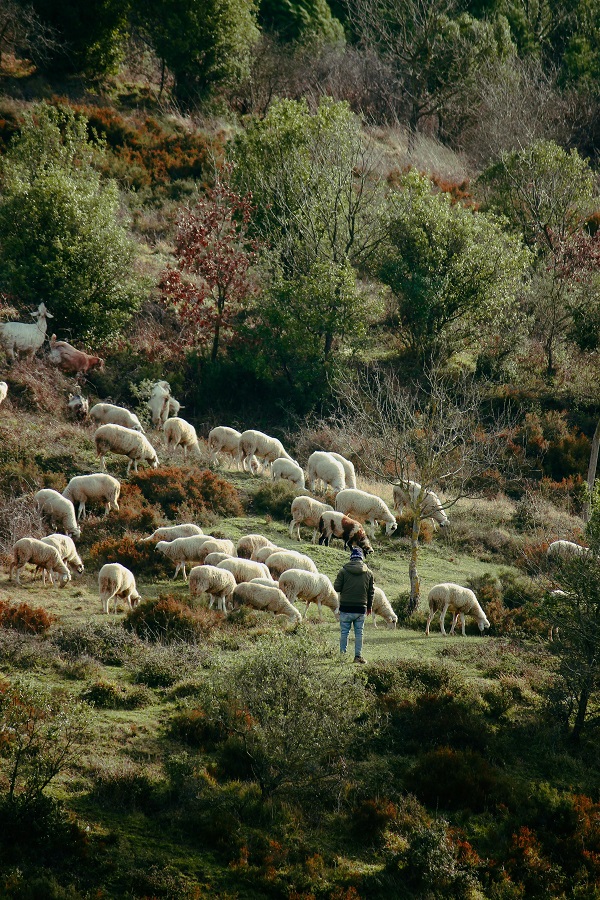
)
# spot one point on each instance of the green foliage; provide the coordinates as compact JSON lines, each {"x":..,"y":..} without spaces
{"x":205,"y":492}
{"x":453,"y":272}
{"x":457,"y":779}
{"x":164,"y":620}
{"x":105,"y":642}
{"x":162,"y":666}
{"x":109,"y":695}
{"x":61,"y":238}
{"x":275,"y":498}
{"x":301,"y":20}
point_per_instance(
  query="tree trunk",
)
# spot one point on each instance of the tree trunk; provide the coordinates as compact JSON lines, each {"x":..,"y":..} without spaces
{"x":215,"y":346}
{"x":591,"y":475}
{"x":415,"y":581}
{"x":581,"y":712}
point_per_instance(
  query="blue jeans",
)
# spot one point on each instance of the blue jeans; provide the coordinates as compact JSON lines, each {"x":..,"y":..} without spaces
{"x":347,"y":620}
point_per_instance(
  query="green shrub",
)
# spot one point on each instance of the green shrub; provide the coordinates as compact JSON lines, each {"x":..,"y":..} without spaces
{"x":106,"y":642}
{"x":203,"y":492}
{"x":275,"y":498}
{"x":195,"y":728}
{"x":25,"y":618}
{"x":401,"y":675}
{"x":126,"y":787}
{"x":109,"y":695}
{"x":436,"y":720}
{"x":161,"y":666}
{"x":164,"y":620}
{"x":457,"y":779}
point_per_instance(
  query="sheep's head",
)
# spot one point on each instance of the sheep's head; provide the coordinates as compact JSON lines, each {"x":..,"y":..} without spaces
{"x":391,"y":527}
{"x":80,"y":569}
{"x":161,"y":547}
{"x":392,"y":622}
{"x":64,"y":578}
{"x":483,"y":623}
{"x":76,"y":533}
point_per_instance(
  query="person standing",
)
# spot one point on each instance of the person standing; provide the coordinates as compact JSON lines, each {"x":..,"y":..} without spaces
{"x":356,"y":586}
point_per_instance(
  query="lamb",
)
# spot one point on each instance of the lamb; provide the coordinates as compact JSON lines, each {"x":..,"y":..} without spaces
{"x":78,"y":407}
{"x":3,"y":391}
{"x":306,"y":511}
{"x":269,"y":599}
{"x":42,"y":555}
{"x":59,"y":510}
{"x":109,"y":414}
{"x":98,"y":486}
{"x":288,"y":470}
{"x":217,"y":583}
{"x":224,"y":440}
{"x":214,"y":558}
{"x":279,"y":562}
{"x":325,"y":468}
{"x":19,"y":337}
{"x":116,"y":582}
{"x":244,"y":569}
{"x":216,"y":545}
{"x":184,"y":550}
{"x":67,"y":550}
{"x":262,"y":553}
{"x":170,"y":532}
{"x":126,"y":442}
{"x":251,"y":542}
{"x":266,"y":450}
{"x":565,"y":550}
{"x":162,"y":404}
{"x":348,"y":467}
{"x":298,"y":584}
{"x":365,"y":508}
{"x":382,"y":607}
{"x":407,"y":494}
{"x":460,"y":601}
{"x":180,"y":433}
{"x":69,"y":359}
{"x":351,"y":532}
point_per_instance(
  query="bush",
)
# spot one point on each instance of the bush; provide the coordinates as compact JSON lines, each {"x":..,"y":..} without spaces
{"x":162,"y":666}
{"x":405,"y":526}
{"x":275,"y":499}
{"x":372,"y":817}
{"x":164,"y":620}
{"x":204,"y":492}
{"x":106,"y":642}
{"x":134,"y":555}
{"x":109,"y":695}
{"x":195,"y":728}
{"x":25,"y":618}
{"x":456,"y":779}
{"x":126,"y":787}
{"x":135,"y":515}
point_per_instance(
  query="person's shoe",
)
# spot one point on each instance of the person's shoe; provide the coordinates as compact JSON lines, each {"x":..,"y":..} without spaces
{"x":360,"y":659}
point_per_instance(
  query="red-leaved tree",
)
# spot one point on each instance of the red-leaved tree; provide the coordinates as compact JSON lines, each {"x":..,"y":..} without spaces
{"x":212,"y":278}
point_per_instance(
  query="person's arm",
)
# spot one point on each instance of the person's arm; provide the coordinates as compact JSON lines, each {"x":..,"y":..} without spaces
{"x":338,"y":584}
{"x":370,"y":593}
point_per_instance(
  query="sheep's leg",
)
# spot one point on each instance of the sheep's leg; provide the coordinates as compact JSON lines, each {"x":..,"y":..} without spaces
{"x":462,"y":624}
{"x":81,"y":510}
{"x":291,"y":529}
{"x":429,"y":618}
{"x":373,"y":617}
{"x":177,"y":568}
{"x":442,"y":618}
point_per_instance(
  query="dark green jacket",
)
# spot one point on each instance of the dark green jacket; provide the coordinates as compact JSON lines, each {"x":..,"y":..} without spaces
{"x":355,"y":585}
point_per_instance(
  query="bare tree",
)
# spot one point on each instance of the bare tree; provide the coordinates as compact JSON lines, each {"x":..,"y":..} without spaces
{"x":22,"y":32}
{"x":433,"y":433}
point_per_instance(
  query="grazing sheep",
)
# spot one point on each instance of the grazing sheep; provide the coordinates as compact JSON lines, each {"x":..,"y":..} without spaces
{"x":19,"y":337}
{"x":42,"y":555}
{"x":214,"y":558}
{"x":171,"y":532}
{"x":281,"y":560}
{"x":266,"y":450}
{"x":262,"y":553}
{"x":289,"y":471}
{"x":217,"y":583}
{"x":217,"y":545}
{"x":365,"y":508}
{"x":251,"y":542}
{"x":306,"y":511}
{"x":407,"y":494}
{"x":382,"y":607}
{"x":99,"y":486}
{"x":298,"y":584}
{"x":349,"y":473}
{"x":566,"y":549}
{"x":78,"y":407}
{"x":67,"y":550}
{"x":109,"y":414}
{"x":116,"y":582}
{"x":59,"y":510}
{"x":460,"y":601}
{"x":69,"y":359}
{"x":351,"y":532}
{"x":3,"y":391}
{"x":180,"y":433}
{"x":263,"y":597}
{"x":184,"y":550}
{"x":224,"y":440}
{"x":325,"y":468}
{"x":244,"y":569}
{"x":125,"y":442}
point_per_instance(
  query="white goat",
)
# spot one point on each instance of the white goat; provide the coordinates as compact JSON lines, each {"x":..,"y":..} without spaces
{"x":365,"y":508}
{"x":19,"y":337}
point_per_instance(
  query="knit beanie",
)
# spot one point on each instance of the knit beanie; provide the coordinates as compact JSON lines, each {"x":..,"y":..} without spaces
{"x":356,"y":554}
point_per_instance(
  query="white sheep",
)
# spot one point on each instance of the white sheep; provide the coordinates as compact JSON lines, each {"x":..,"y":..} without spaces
{"x":461,"y":601}
{"x":348,"y":467}
{"x":365,"y":508}
{"x":116,"y":582}
{"x":215,"y":557}
{"x":251,"y":542}
{"x":565,"y":550}
{"x":78,"y":407}
{"x":281,"y":560}
{"x":298,"y":584}
{"x":98,"y":486}
{"x":180,"y":433}
{"x":306,"y":511}
{"x":170,"y":532}
{"x":261,"y":554}
{"x":244,"y":569}
{"x":217,"y":583}
{"x":327,"y":469}
{"x":407,"y":494}
{"x":184,"y":550}
{"x":217,"y":545}
{"x":382,"y":607}
{"x":266,"y":450}
{"x":125,"y":442}
{"x":289,"y":471}
{"x":42,"y":555}
{"x":223,"y":439}
{"x":351,"y":532}
{"x":267,"y":598}
{"x":3,"y":391}
{"x":67,"y":550}
{"x":109,"y":414}
{"x":59,"y":510}
{"x":19,"y":337}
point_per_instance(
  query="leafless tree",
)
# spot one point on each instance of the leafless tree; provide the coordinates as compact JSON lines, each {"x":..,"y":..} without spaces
{"x":22,"y":32}
{"x":433,"y":432}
